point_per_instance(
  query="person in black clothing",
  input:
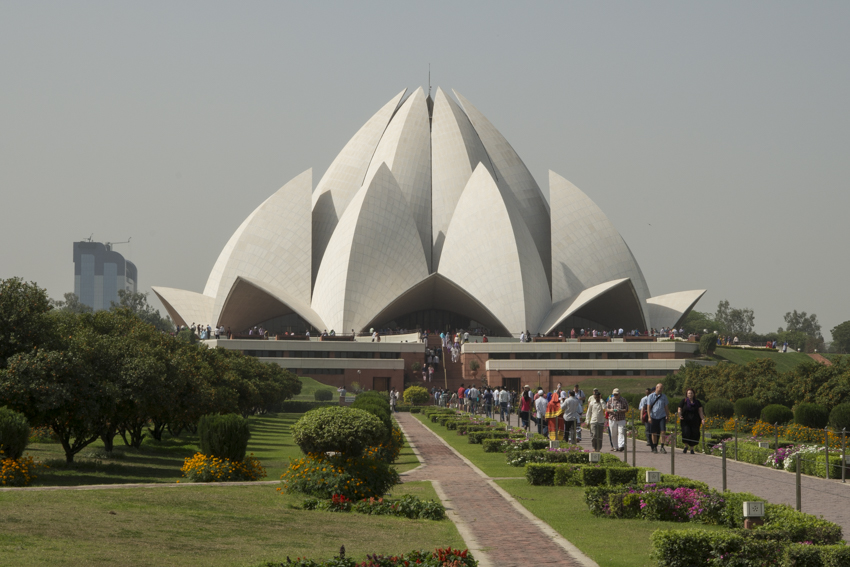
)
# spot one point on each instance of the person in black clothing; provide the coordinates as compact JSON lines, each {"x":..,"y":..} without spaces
{"x":691,"y":416}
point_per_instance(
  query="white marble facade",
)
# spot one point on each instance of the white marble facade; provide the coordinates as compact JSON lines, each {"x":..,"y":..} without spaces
{"x":427,"y":188}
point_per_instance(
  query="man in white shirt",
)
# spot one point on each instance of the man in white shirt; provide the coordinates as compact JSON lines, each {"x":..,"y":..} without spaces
{"x":540,"y":405}
{"x":472,"y":396}
{"x":596,"y":419}
{"x":504,"y":400}
{"x":572,"y":415}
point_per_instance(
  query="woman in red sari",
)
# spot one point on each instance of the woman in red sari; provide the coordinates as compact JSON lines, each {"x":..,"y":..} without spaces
{"x":555,"y":415}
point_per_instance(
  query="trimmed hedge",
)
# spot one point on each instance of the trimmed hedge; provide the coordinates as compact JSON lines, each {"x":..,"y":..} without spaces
{"x":500,"y":446}
{"x":748,"y":407}
{"x":338,"y":429}
{"x":14,"y":433}
{"x":597,"y":496}
{"x":547,"y":456}
{"x":839,"y":417}
{"x":811,"y":415}
{"x":593,"y":476}
{"x":476,"y":437}
{"x":617,"y":475}
{"x":224,"y":436}
{"x":322,"y":395}
{"x":776,"y":413}
{"x":719,"y":407}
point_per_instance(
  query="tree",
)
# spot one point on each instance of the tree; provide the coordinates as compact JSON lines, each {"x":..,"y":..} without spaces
{"x":736,"y":321}
{"x":71,"y":304}
{"x":841,"y":337}
{"x":138,"y":304}
{"x":802,"y":323}
{"x":698,"y":323}
{"x":24,"y":320}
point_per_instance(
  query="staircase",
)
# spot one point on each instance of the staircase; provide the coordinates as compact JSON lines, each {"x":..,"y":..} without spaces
{"x":451,"y":372}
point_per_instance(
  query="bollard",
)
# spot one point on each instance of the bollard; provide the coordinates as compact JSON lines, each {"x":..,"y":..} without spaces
{"x":702,"y":435}
{"x":626,"y":444}
{"x":673,"y":447}
{"x":723,"y":465}
{"x":844,"y":455}
{"x":736,"y":438}
{"x":776,"y":436}
{"x":799,"y":484}
{"x":826,"y":445}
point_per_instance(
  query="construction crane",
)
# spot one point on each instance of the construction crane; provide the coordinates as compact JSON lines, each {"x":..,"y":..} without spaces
{"x":109,"y":245}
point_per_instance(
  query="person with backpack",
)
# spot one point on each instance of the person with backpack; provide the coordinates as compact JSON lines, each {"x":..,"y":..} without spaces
{"x":644,"y":416}
{"x":658,"y":409}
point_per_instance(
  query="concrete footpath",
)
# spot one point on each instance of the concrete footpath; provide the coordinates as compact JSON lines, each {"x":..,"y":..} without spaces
{"x":497,"y":529}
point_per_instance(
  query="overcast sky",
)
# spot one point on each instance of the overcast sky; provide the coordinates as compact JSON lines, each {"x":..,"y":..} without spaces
{"x":715,"y":136}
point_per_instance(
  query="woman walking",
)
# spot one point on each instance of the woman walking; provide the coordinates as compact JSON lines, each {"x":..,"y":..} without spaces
{"x":691,"y":416}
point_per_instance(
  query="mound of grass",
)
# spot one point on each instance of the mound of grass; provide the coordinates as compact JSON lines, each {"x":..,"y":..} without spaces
{"x":309,"y":387}
{"x":784,"y":361}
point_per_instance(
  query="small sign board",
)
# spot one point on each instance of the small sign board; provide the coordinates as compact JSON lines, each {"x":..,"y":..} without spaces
{"x":653,"y":477}
{"x":763,"y":445}
{"x":753,"y":509}
{"x":594,"y":457}
{"x":350,"y":399}
{"x":554,"y":444}
{"x":708,"y":434}
{"x":847,"y":459}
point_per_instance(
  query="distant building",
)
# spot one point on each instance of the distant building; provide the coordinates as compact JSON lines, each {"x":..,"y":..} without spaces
{"x":99,"y":272}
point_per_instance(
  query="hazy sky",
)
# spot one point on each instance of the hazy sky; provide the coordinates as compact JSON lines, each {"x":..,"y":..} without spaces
{"x":715,"y":136}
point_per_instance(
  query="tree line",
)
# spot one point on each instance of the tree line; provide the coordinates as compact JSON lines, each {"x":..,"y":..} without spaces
{"x":801,"y":331}
{"x":109,"y":374}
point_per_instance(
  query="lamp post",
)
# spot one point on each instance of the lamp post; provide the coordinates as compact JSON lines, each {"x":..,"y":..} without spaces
{"x":538,"y":379}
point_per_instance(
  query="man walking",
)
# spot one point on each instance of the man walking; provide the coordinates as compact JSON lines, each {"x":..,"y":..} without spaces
{"x":540,"y":405}
{"x":643,"y":418}
{"x":657,"y":408}
{"x":582,"y":399}
{"x":617,"y":408}
{"x":572,"y":415}
{"x":504,"y":399}
{"x":595,"y":419}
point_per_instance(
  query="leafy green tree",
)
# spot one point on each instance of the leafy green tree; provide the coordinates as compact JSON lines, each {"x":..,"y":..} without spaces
{"x":841,"y":337}
{"x":802,"y":323}
{"x":138,"y":304}
{"x":71,"y":303}
{"x":698,"y":323}
{"x":24,"y":320}
{"x":736,"y":321}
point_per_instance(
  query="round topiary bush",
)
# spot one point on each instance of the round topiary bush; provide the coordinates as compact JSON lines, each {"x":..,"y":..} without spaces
{"x":748,"y":407}
{"x":14,"y":433}
{"x":839,"y":417}
{"x":338,"y":429}
{"x":776,"y":413}
{"x":379,"y":410}
{"x":719,"y":408}
{"x":323,"y":395}
{"x":416,"y":395}
{"x":224,"y":436}
{"x":811,"y":415}
{"x":707,"y":343}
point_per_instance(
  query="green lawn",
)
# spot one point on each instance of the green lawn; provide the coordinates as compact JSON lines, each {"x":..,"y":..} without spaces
{"x":612,"y":543}
{"x":198,"y":525}
{"x":493,"y":464}
{"x":308,"y":388}
{"x":784,"y":361}
{"x":160,"y":461}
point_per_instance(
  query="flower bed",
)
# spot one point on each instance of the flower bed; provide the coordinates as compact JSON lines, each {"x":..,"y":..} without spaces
{"x":203,"y":468}
{"x":19,"y":472}
{"x":407,"y":506}
{"x":323,"y":476}
{"x":513,"y":444}
{"x":571,"y":454}
{"x":440,"y":557}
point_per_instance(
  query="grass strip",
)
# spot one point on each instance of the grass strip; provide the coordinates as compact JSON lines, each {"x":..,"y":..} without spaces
{"x":609,"y":542}
{"x":199,"y":525}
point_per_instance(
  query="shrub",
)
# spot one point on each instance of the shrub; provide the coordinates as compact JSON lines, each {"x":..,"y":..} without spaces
{"x":14,"y":433}
{"x":389,"y":450}
{"x":685,"y":548}
{"x":719,"y":407}
{"x":593,"y":476}
{"x":293,"y":406}
{"x":776,"y":413}
{"x":539,"y":474}
{"x":323,"y":395}
{"x":379,"y":409}
{"x":799,"y":526}
{"x":748,"y":407}
{"x":839,"y":417}
{"x":324,"y":476}
{"x":380,"y":397}
{"x":615,"y":476}
{"x":811,"y":415}
{"x":673,"y":383}
{"x":440,"y":556}
{"x":224,"y":436}
{"x":707,"y":343}
{"x":338,"y":429}
{"x":416,"y":395}
{"x":205,"y":468}
{"x":408,"y":506}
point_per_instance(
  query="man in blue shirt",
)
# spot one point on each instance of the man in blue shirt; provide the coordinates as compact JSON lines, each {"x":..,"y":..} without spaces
{"x":657,"y":408}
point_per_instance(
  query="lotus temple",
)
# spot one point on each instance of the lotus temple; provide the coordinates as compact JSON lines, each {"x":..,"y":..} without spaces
{"x":429,"y":220}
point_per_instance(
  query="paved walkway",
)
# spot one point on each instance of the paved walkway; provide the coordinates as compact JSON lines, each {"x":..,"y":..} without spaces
{"x":829,"y":498}
{"x":498,"y":530}
{"x":820,"y":358}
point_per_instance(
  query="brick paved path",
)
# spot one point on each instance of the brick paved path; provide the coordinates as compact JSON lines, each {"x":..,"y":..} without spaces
{"x":829,"y":498}
{"x":501,"y":535}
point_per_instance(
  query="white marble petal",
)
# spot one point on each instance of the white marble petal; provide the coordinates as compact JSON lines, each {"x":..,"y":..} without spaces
{"x":406,"y":149}
{"x":186,"y":307}
{"x":490,"y":253}
{"x":456,"y":151}
{"x":670,"y":309}
{"x":511,"y":171}
{"x":345,"y":176}
{"x":586,"y":248}
{"x":274,"y":246}
{"x":374,"y":255}
{"x":563,"y":309}
{"x":251,"y":301}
